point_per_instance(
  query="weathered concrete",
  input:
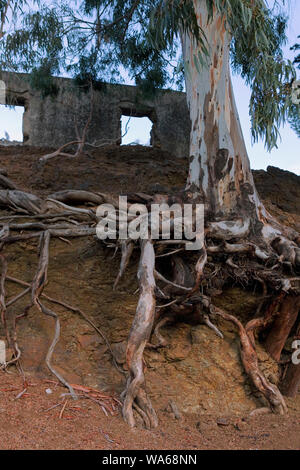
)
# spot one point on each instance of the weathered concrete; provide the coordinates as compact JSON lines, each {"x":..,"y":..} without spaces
{"x":51,"y":121}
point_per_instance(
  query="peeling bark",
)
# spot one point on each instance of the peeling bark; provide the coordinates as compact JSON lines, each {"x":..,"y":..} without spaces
{"x":219,"y":164}
{"x":138,"y":338}
{"x":219,"y":169}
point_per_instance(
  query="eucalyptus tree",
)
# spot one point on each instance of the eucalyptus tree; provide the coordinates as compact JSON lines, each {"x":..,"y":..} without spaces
{"x":158,"y":42}
{"x":295,"y":109}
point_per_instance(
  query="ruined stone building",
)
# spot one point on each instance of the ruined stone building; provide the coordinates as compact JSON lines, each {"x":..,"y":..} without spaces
{"x":51,"y":121}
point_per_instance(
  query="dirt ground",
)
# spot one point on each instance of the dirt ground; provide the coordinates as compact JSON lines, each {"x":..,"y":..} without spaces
{"x":197,"y":371}
{"x":26,"y":424}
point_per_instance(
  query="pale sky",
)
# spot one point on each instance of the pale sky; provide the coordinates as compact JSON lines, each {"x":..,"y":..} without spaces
{"x":287,"y":156}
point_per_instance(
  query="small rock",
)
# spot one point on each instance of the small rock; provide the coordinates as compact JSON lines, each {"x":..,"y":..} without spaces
{"x":48,"y":391}
{"x":223,"y":422}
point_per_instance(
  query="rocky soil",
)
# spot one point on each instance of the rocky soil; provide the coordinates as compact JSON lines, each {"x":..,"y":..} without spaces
{"x":197,"y":371}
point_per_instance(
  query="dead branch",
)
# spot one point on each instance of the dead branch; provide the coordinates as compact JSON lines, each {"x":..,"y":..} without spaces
{"x":80,"y":141}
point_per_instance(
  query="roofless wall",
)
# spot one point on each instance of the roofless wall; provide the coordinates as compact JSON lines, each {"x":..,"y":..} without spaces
{"x":52,"y":121}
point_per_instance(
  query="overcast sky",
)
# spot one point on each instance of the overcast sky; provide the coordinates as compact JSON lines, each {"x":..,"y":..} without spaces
{"x":287,"y":156}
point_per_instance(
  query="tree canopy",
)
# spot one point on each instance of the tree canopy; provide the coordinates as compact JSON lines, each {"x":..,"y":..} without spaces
{"x":102,"y":40}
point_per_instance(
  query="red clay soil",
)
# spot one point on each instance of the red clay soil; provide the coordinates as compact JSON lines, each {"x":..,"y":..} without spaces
{"x":198,"y":371}
{"x":30,"y":423}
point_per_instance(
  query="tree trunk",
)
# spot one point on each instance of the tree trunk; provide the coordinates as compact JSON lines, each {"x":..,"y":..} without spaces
{"x":220,"y":177}
{"x":219,"y":169}
{"x":219,"y":165}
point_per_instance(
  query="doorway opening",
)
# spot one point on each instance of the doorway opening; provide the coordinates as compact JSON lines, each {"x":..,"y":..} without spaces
{"x":11,"y":123}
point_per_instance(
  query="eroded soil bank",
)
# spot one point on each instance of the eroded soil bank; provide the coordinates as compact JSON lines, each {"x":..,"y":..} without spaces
{"x":197,"y":371}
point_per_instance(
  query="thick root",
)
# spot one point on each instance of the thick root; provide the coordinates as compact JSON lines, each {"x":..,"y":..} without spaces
{"x":127,"y":247}
{"x":291,"y":380}
{"x":138,"y":338}
{"x":250,"y":363}
{"x":21,"y":202}
{"x":262,"y":322}
{"x":265,"y":257}
{"x":282,"y":326}
{"x":291,"y":385}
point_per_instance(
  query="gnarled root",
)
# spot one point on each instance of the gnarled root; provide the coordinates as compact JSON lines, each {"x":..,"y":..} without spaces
{"x":162,"y":342}
{"x":38,"y":284}
{"x":266,"y":254}
{"x":282,"y":326}
{"x":262,"y":322}
{"x":291,"y":381}
{"x":21,"y":201}
{"x":250,"y":363}
{"x":138,"y":337}
{"x":127,"y":247}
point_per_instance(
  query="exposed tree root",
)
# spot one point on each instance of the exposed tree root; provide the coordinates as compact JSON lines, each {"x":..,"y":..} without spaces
{"x":66,"y":306}
{"x":22,"y":202}
{"x":213,"y":327}
{"x":127,"y":247}
{"x":38,"y":285}
{"x":282,"y":326}
{"x":231,"y":253}
{"x":162,"y":342}
{"x":2,"y":297}
{"x":6,"y":183}
{"x":291,"y":384}
{"x":200,"y":269}
{"x":262,"y":322}
{"x":250,"y":363}
{"x":77,"y":197}
{"x":138,"y":337}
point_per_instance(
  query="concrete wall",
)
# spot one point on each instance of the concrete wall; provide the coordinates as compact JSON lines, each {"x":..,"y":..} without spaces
{"x":50,"y":121}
